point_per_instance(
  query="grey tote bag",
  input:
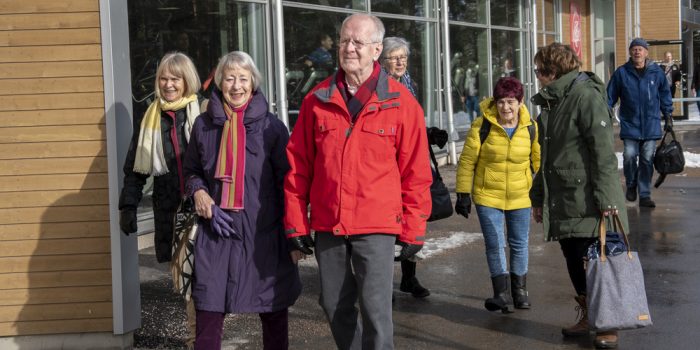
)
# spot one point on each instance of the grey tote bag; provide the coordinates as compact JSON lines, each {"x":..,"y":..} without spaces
{"x":615,"y":285}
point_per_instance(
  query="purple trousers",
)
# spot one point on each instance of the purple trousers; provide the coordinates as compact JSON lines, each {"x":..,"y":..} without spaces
{"x":210,"y":327}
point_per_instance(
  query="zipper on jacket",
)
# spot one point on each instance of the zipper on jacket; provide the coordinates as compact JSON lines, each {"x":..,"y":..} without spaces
{"x":349,"y":131}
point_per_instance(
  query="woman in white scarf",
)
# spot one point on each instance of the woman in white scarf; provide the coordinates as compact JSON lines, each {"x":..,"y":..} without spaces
{"x":157,"y":148}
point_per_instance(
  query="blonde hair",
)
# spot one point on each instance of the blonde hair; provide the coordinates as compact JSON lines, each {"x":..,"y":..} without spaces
{"x":179,"y":65}
{"x":241,"y":60}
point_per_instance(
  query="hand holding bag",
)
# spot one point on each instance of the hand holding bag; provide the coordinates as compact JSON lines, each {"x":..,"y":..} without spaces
{"x":182,"y":262}
{"x":442,"y":204}
{"x":615,"y":286}
{"x":668,"y":158}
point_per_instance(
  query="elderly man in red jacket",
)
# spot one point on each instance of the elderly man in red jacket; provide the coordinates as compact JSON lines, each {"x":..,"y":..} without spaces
{"x":359,"y":163}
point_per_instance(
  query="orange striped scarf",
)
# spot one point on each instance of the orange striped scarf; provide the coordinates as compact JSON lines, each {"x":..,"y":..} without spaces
{"x":230,"y":165}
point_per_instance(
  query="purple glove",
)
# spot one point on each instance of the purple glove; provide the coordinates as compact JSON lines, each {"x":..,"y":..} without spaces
{"x":220,"y":222}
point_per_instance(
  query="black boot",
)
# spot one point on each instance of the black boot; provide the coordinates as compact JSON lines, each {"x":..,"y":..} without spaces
{"x":518,"y":288}
{"x":409,"y":282}
{"x":502,"y":300}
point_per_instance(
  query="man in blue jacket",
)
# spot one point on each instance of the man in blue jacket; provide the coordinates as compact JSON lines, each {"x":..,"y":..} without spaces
{"x":644,"y":95}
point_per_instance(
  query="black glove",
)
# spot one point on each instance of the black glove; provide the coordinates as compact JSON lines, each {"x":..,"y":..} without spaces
{"x":668,"y":123}
{"x":220,"y":222}
{"x":437,"y":137}
{"x":407,"y":250}
{"x":464,"y":204}
{"x":302,"y":244}
{"x":127,"y":221}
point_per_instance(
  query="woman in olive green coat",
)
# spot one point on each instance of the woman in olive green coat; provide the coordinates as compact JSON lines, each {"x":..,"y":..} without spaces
{"x":578,"y":179}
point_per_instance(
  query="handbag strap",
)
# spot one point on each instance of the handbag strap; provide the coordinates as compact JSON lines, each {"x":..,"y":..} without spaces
{"x":617,"y":225}
{"x":434,"y":160}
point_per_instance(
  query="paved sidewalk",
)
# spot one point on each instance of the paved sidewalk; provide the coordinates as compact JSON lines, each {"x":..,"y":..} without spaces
{"x":455,"y":271}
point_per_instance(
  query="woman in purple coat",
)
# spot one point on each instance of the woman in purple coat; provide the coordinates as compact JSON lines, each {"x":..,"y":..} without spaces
{"x":234,"y":167}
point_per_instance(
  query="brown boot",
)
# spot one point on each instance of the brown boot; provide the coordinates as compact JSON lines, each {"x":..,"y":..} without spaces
{"x":581,"y":327}
{"x":606,"y":340}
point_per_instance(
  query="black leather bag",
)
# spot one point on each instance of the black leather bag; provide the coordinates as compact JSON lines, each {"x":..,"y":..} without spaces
{"x":442,"y":204}
{"x":669,"y":157}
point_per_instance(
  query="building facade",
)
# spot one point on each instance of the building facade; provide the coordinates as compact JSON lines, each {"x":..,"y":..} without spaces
{"x":74,"y":73}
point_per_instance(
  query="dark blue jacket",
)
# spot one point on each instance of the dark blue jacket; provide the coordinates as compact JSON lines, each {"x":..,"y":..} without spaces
{"x":643,"y":99}
{"x":251,"y":271}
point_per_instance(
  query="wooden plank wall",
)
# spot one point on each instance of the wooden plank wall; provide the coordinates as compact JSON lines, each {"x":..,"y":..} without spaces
{"x":55,"y":273}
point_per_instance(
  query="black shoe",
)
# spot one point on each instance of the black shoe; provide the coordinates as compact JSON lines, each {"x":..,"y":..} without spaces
{"x":411,"y":285}
{"x":518,"y":289}
{"x":647,"y":202}
{"x":502,"y":300}
{"x":631,"y":194}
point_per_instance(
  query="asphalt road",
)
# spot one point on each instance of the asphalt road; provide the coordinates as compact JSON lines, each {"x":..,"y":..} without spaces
{"x":453,"y":316}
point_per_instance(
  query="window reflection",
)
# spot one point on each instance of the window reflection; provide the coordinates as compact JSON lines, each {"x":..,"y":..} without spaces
{"x":505,"y":48}
{"x":418,"y":8}
{"x":473,"y":11}
{"x":202,"y":29}
{"x":346,"y":4}
{"x":470,"y":81}
{"x":505,"y":13}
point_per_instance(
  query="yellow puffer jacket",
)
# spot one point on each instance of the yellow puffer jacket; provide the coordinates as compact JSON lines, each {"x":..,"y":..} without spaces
{"x":497,"y":173}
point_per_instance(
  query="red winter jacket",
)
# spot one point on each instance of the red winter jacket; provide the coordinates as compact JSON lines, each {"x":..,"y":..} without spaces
{"x":370,"y":177}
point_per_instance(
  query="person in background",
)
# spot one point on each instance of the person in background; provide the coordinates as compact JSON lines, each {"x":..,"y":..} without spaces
{"x":644,"y":95}
{"x":157,"y":149}
{"x":510,"y":155}
{"x":695,"y":85}
{"x":471,"y":91}
{"x":394,"y":60}
{"x":578,"y":182}
{"x":321,"y":57}
{"x":672,"y":72}
{"x":359,"y":159}
{"x":234,"y":168}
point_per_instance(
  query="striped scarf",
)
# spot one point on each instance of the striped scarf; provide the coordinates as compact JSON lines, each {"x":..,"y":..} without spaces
{"x":230,"y":164}
{"x":150,"y":159}
{"x":363,"y":94}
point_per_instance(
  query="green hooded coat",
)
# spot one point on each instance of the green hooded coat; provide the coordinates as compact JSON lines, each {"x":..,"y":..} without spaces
{"x":578,"y":176}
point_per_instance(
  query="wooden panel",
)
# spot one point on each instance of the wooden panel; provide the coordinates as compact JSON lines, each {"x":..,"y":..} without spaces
{"x":53,"y":182}
{"x":50,"y":37}
{"x":55,"y":327}
{"x":54,"y":263}
{"x":53,"y":166}
{"x":55,"y":311}
{"x":94,"y":132}
{"x":55,"y":101}
{"x":49,"y":21}
{"x":659,"y":20}
{"x":55,"y":295}
{"x":55,"y":279}
{"x":50,"y":53}
{"x":53,"y":198}
{"x":52,"y":117}
{"x":40,"y":6}
{"x":53,"y":149}
{"x":37,"y":247}
{"x":50,"y":85}
{"x":55,"y":230}
{"x":55,"y":69}
{"x":75,"y":214}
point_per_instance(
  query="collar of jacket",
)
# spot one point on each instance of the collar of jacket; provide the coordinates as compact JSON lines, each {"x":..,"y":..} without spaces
{"x":490,"y":112}
{"x":649,"y":66}
{"x":257,"y":108}
{"x":326,"y":93}
{"x":560,"y":88}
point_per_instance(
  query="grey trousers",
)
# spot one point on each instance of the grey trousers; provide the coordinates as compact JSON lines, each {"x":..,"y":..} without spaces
{"x":358,"y":267}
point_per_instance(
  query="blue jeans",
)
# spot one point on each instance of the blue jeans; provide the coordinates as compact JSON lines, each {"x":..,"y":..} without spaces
{"x":492,"y":225}
{"x":639,"y":175}
{"x":471,"y":104}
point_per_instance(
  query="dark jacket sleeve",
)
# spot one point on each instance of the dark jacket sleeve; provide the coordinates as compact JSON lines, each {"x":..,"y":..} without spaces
{"x":278,"y":156}
{"x":192,"y":170}
{"x":537,"y":190}
{"x":133,"y":182}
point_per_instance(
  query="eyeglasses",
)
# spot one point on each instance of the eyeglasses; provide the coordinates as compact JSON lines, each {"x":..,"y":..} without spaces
{"x":397,"y":58}
{"x":356,"y":43}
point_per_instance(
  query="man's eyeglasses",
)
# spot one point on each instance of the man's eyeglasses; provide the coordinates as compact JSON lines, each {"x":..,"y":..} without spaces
{"x":396,"y":59}
{"x":356,"y":43}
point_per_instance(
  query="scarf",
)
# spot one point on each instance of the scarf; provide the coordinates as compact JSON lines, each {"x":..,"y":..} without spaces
{"x":150,"y":159}
{"x":408,"y":83}
{"x":364,"y":92}
{"x":230,"y":164}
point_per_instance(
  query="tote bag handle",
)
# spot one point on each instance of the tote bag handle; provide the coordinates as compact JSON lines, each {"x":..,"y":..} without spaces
{"x":617,"y":225}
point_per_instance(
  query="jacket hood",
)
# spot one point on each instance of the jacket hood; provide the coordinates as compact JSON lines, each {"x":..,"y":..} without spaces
{"x":490,"y":112}
{"x":327,"y":88}
{"x":561,"y":87}
{"x":256,"y":110}
{"x":649,"y":65}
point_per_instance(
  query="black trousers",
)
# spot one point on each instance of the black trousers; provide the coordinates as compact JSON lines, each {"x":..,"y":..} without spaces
{"x":574,"y":250}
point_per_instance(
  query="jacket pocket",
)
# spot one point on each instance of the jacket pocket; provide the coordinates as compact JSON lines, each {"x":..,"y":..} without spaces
{"x":570,"y":198}
{"x":379,"y":140}
{"x":326,"y":132}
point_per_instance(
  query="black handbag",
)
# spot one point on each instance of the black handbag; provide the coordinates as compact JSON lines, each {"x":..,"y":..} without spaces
{"x":184,"y":235}
{"x":442,"y":204}
{"x":669,"y":157}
